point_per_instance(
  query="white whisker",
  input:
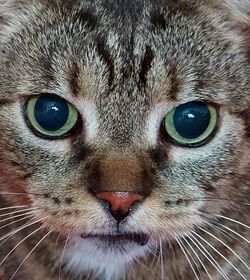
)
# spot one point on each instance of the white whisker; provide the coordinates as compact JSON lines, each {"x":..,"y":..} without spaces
{"x":154,"y":253}
{"x":219,"y":253}
{"x":197,"y":256}
{"x":236,"y":233}
{"x":18,"y":193}
{"x":14,"y":207}
{"x":156,"y":258}
{"x":215,"y":225}
{"x":207,"y":255}
{"x":20,"y":215}
{"x":19,"y":211}
{"x":226,"y":231}
{"x":19,"y":229}
{"x":14,"y":248}
{"x":61,"y":261}
{"x":224,"y":244}
{"x":161,"y":258}
{"x":173,"y":253}
{"x":232,"y":220}
{"x":56,"y":243}
{"x":185,"y":254}
{"x":16,"y":221}
{"x":34,"y":248}
{"x":141,"y":264}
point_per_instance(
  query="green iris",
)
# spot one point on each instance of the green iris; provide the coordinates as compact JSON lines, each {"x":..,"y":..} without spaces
{"x":191,"y":123}
{"x":51,"y":116}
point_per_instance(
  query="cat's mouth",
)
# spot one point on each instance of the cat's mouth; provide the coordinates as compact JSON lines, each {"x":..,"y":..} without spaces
{"x":139,"y":238}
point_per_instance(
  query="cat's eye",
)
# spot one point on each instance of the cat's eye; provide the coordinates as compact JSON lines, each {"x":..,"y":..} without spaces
{"x":51,"y":116}
{"x":191,"y":123}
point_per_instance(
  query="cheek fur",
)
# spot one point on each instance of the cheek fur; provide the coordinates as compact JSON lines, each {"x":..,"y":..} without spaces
{"x":14,"y":180}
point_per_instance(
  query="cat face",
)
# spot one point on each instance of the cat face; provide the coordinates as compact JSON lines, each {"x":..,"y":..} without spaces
{"x":121,"y":76}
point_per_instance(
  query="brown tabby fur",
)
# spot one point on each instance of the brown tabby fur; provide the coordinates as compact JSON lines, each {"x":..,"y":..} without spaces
{"x":124,"y":65}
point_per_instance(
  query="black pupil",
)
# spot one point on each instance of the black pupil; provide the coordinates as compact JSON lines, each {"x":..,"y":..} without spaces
{"x":191,"y":119}
{"x":51,"y":112}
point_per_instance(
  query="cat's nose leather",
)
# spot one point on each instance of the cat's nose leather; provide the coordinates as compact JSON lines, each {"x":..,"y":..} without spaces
{"x":120,"y":202}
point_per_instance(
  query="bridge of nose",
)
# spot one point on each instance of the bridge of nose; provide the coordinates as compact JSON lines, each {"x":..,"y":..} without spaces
{"x":121,"y":174}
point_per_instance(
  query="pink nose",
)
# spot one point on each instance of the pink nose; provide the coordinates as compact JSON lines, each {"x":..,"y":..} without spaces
{"x":120,"y":202}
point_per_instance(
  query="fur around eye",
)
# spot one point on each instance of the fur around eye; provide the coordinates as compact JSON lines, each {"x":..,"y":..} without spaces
{"x":139,"y":169}
{"x":51,"y":116}
{"x":191,"y":123}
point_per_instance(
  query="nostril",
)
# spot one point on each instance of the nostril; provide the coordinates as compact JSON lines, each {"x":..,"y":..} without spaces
{"x":120,"y":202}
{"x":119,"y":215}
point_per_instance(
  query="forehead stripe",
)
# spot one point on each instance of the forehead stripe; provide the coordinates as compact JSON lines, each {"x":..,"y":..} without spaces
{"x":174,"y":82}
{"x":106,"y":56}
{"x":146,"y":65}
{"x":74,"y":73}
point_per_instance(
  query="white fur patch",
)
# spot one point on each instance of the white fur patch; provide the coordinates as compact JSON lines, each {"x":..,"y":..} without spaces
{"x":153,"y":123}
{"x":105,"y":260}
{"x":88,"y":111}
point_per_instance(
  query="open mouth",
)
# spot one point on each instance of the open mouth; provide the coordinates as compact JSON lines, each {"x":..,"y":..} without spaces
{"x":139,"y":238}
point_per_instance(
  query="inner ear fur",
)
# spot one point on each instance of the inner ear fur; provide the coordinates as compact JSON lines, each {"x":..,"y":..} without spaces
{"x":238,"y":18}
{"x":235,"y":13}
{"x":10,"y":10}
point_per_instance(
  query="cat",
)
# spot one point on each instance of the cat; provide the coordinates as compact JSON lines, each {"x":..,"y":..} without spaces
{"x":125,"y":139}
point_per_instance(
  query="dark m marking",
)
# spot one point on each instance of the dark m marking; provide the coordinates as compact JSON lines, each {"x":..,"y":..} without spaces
{"x":89,"y":18}
{"x":74,"y":73}
{"x":4,"y":102}
{"x":245,"y":115}
{"x":81,"y":16}
{"x":146,"y":65}
{"x":105,"y":55}
{"x":47,"y":67}
{"x":158,"y":20}
{"x":174,"y":81}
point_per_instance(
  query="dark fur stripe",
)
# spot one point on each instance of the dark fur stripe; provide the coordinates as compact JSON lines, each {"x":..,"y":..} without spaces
{"x":89,"y":18}
{"x":4,"y":102}
{"x":74,"y":73}
{"x":146,"y":65}
{"x":47,"y":66}
{"x":105,"y":55}
{"x":174,"y":82}
{"x":158,"y":20}
{"x":245,"y":115}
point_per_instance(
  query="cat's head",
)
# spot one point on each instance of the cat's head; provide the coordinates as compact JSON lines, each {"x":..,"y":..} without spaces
{"x":126,"y":125}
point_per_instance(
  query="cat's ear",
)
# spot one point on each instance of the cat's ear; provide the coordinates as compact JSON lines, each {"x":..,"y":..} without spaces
{"x":235,"y":13}
{"x":4,"y":13}
{"x":10,"y":11}
{"x":7,"y":13}
{"x":235,"y":17}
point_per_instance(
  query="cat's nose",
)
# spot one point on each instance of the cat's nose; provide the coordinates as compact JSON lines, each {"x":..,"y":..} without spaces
{"x":120,"y":202}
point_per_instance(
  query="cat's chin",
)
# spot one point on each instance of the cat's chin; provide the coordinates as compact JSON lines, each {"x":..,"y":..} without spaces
{"x":105,"y":255}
